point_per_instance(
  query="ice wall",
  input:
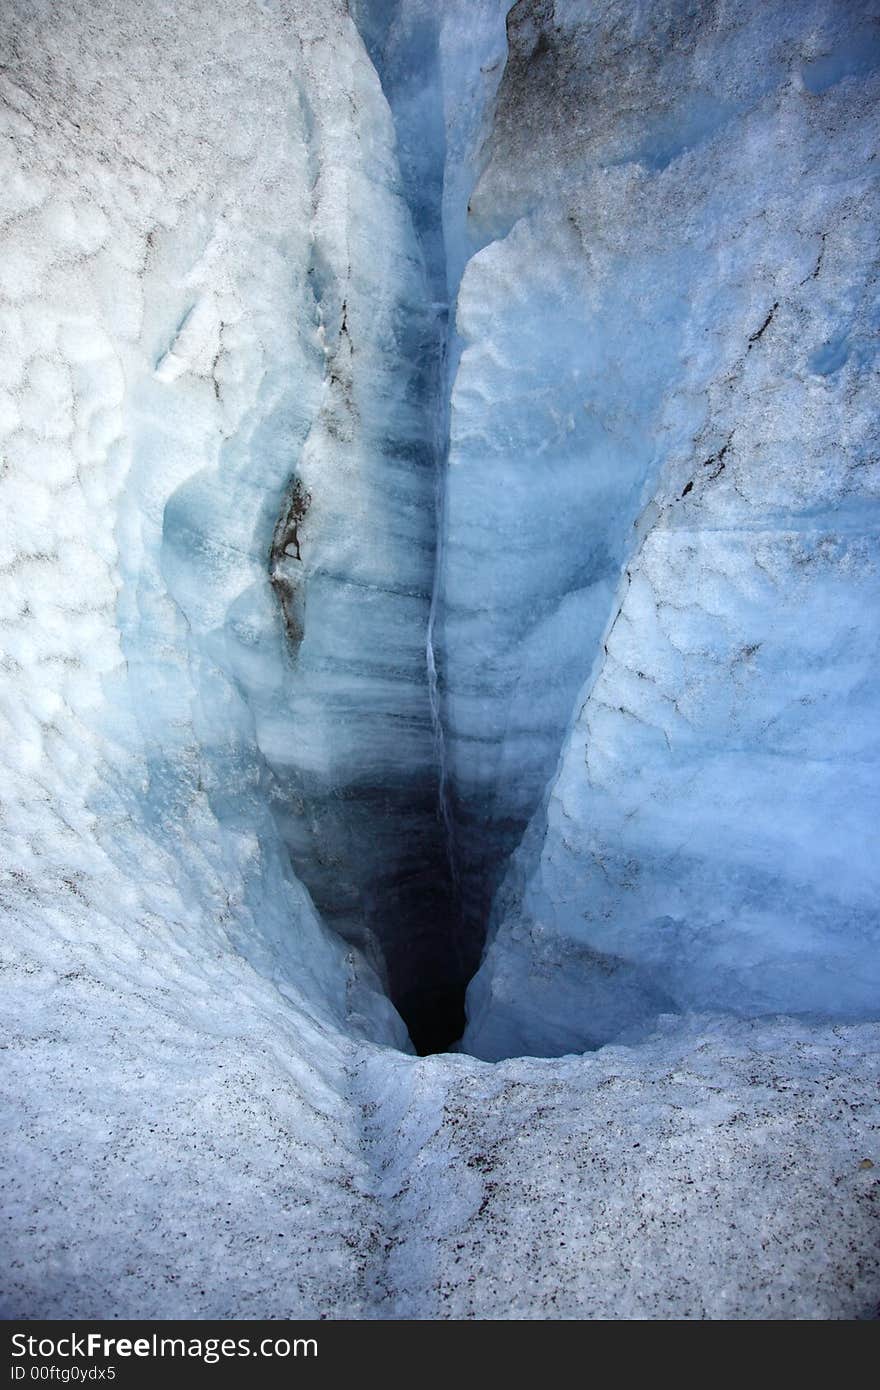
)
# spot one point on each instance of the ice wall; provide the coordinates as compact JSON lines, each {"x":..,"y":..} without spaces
{"x":274,"y":475}
{"x":662,"y":522}
{"x":145,"y":277}
{"x":176,"y":1014}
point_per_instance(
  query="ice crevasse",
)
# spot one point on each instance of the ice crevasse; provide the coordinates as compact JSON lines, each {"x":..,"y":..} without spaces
{"x":439,"y":468}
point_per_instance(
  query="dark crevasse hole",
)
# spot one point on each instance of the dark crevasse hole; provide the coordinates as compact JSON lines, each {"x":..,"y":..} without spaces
{"x":414,"y":914}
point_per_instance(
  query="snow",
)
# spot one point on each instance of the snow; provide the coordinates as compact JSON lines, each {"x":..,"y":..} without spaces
{"x":232,"y":347}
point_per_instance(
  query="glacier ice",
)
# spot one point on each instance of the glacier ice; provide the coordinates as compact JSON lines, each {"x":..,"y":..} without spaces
{"x":689,"y":439}
{"x":438,"y":443}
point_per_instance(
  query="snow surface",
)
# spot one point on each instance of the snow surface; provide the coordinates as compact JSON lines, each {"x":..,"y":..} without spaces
{"x":222,"y":292}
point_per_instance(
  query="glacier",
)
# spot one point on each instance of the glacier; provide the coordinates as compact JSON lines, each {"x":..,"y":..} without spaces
{"x":702,"y":646}
{"x":439,"y":465}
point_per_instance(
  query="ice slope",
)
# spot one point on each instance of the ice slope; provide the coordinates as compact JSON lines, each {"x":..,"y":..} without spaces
{"x":662,"y":523}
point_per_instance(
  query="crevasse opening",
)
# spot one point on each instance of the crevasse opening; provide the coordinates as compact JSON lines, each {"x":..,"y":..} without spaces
{"x":602,"y":465}
{"x":425,"y":954}
{"x":510,"y":422}
{"x":516,"y":566}
{"x":551,"y":392}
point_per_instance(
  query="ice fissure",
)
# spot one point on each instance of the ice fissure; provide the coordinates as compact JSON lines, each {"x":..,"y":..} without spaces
{"x":378,"y":852}
{"x":488,"y":489}
{"x":370,"y":846}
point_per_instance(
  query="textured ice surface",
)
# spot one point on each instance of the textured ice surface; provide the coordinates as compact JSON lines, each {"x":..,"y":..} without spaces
{"x":718,"y":1170}
{"x":223,"y":353}
{"x":170,"y":996}
{"x":163,"y":368}
{"x":231,"y":333}
{"x":670,"y":432}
